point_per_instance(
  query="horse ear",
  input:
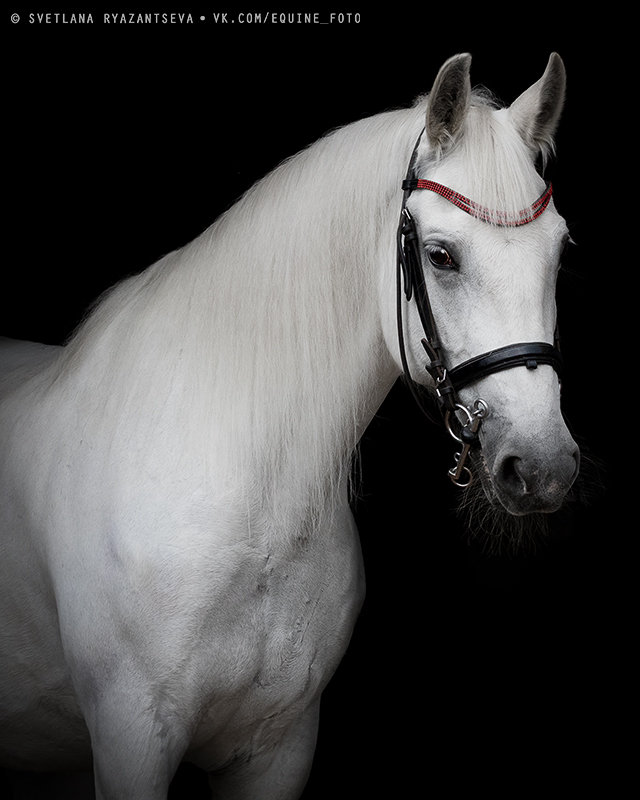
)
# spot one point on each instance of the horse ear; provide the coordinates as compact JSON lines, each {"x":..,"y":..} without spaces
{"x":448,"y":100}
{"x":537,"y":111}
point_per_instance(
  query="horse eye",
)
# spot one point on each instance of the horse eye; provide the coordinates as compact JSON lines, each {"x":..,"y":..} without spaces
{"x":440,"y":258}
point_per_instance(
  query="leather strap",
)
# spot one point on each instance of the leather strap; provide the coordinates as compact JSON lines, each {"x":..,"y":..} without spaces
{"x":526,"y":354}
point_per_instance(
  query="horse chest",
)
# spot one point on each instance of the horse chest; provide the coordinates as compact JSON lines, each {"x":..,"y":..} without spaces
{"x":287,"y":638}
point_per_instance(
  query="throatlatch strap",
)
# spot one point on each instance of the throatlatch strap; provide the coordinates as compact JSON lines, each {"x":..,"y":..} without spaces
{"x":499,"y":218}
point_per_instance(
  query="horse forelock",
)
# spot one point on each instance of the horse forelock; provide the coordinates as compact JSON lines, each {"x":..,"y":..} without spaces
{"x":488,"y":160}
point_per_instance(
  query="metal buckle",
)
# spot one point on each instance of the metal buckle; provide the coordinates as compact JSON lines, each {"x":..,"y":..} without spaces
{"x":460,"y":473}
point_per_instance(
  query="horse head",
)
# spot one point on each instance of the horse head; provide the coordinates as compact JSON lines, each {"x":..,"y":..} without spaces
{"x":489,"y":240}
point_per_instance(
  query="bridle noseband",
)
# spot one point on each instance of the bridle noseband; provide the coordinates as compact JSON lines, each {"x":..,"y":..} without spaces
{"x":449,"y":380}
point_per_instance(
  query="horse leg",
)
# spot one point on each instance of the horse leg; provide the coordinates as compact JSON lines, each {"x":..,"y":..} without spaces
{"x":137,"y":744}
{"x":277,"y":773}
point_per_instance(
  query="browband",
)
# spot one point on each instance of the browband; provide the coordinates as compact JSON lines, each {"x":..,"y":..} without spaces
{"x":499,"y":218}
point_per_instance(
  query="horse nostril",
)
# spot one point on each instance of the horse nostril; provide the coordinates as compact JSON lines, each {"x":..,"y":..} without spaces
{"x":511,"y":475}
{"x":535,"y":484}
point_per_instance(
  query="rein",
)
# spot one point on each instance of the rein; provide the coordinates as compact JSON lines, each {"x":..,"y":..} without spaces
{"x":449,"y":380}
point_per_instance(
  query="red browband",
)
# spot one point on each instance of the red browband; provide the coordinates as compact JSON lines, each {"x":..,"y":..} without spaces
{"x":480,"y":212}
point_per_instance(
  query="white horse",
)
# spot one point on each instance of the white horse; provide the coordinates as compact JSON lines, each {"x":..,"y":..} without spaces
{"x":180,"y":569}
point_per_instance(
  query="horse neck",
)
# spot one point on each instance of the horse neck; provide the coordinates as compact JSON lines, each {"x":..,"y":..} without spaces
{"x":267,"y":328}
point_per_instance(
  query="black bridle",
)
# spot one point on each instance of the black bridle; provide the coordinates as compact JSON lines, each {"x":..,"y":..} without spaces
{"x":449,"y":380}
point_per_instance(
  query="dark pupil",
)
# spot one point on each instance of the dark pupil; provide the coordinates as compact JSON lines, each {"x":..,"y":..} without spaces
{"x":440,"y":257}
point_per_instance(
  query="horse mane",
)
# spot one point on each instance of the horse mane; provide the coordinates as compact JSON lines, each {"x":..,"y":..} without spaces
{"x":244,"y":349}
{"x":256,"y":328}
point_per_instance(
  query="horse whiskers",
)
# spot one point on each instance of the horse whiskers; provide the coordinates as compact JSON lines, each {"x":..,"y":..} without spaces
{"x":497,"y":531}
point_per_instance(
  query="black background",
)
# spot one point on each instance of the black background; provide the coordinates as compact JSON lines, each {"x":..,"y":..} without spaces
{"x":467,"y":672}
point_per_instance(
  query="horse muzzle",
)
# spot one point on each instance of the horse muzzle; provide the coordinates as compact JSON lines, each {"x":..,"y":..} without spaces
{"x":530,"y":471}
